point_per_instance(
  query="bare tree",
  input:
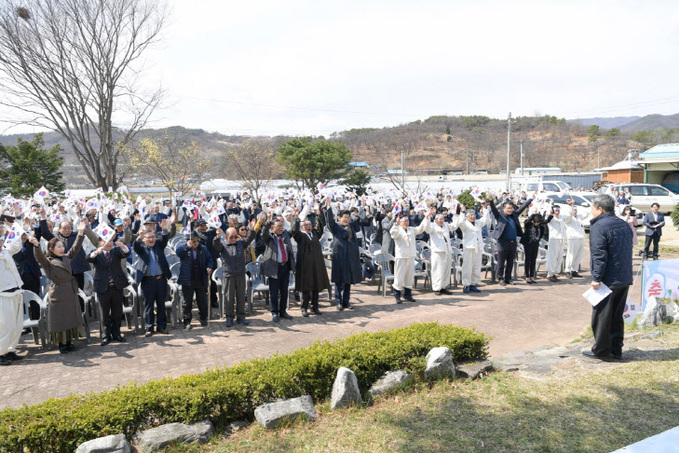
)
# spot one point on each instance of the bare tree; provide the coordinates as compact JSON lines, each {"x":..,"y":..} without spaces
{"x":178,"y":165}
{"x":73,"y":66}
{"x":255,"y":163}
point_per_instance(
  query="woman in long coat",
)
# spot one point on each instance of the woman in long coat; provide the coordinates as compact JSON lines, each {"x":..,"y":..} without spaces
{"x":346,"y":261}
{"x":65,"y":318}
{"x":311,"y":277}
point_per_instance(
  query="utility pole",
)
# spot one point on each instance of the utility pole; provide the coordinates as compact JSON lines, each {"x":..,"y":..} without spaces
{"x":467,"y":160}
{"x":403,"y":171}
{"x":598,"y":157}
{"x":521,"y":156}
{"x":509,"y":138}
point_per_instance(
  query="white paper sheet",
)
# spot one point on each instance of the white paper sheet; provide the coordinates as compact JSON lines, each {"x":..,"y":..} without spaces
{"x":595,"y":296}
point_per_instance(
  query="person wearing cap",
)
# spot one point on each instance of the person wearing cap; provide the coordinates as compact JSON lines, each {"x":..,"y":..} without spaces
{"x":195,"y":268}
{"x":232,"y":250}
{"x":278,"y":260}
{"x":472,"y":248}
{"x":206,"y":236}
{"x":11,"y":302}
{"x":441,"y":251}
{"x":109,"y":282}
{"x":406,"y":252}
{"x":153,"y":272}
{"x":575,"y":238}
{"x":555,"y":247}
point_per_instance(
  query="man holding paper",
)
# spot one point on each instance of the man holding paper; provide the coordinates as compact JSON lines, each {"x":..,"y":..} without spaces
{"x":654,"y":221}
{"x":610,"y":243}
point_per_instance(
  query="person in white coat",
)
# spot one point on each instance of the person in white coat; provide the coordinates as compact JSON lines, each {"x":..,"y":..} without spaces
{"x":575,"y":237}
{"x":557,"y":236}
{"x":472,"y":248}
{"x":11,"y":300}
{"x":441,"y":251}
{"x":405,"y":254}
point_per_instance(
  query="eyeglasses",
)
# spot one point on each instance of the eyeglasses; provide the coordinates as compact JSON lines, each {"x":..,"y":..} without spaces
{"x":233,"y":236}
{"x":242,"y":229}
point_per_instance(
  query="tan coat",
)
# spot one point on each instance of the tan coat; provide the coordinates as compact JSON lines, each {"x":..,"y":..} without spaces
{"x":64,"y":309}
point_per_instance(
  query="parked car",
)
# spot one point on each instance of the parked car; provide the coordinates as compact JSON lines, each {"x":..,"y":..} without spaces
{"x":584,"y":203}
{"x":644,"y":195}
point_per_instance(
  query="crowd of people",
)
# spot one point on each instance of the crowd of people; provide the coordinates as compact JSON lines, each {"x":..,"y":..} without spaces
{"x":296,"y":234}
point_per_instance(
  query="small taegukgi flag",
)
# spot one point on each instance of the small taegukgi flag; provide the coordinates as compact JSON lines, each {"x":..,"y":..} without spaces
{"x":105,"y":232}
{"x":13,"y":234}
{"x":41,"y":194}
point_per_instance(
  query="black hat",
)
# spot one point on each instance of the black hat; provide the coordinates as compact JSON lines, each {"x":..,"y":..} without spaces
{"x":194,"y":235}
{"x":150,"y":219}
{"x":201,"y":222}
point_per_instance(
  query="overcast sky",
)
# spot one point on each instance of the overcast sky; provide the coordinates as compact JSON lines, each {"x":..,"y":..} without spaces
{"x":314,"y":67}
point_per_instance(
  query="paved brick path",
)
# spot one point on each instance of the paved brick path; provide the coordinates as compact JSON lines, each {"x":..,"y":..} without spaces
{"x":517,"y":317}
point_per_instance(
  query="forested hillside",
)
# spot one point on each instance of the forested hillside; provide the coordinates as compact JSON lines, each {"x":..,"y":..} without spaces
{"x":440,"y":143}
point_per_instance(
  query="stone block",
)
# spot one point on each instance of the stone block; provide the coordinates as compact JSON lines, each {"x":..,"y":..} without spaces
{"x":440,"y":364}
{"x":155,"y":439}
{"x":271,"y":415}
{"x":345,"y":389}
{"x":389,"y":381}
{"x":116,"y":443}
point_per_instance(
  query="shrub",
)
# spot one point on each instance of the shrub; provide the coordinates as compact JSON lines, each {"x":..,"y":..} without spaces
{"x":227,"y":394}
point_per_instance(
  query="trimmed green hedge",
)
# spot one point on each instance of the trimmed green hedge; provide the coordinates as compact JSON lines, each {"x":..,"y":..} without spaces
{"x":233,"y":393}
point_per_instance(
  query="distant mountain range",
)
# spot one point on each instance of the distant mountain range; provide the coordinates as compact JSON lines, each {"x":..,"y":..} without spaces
{"x":632,"y":124}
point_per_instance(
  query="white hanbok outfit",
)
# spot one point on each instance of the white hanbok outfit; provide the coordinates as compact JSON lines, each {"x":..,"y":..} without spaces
{"x":441,"y":252}
{"x":11,"y":299}
{"x":575,"y":237}
{"x":405,"y":253}
{"x":472,"y":248}
{"x":557,"y":236}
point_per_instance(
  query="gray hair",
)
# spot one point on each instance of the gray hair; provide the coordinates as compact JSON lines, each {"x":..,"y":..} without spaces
{"x":605,"y":202}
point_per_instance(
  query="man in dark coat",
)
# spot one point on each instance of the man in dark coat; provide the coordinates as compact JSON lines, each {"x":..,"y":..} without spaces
{"x":610,"y":244}
{"x":346,"y":261}
{"x":194,"y":271}
{"x":277,"y":262}
{"x":153,"y":272}
{"x":109,"y":282}
{"x":507,"y":229}
{"x":311,"y":275}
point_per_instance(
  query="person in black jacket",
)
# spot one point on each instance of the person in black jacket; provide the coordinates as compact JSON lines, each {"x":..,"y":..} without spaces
{"x":195,"y":269}
{"x":610,"y":244}
{"x":506,"y":232}
{"x":109,"y":282}
{"x":153,"y":272}
{"x":534,"y":229}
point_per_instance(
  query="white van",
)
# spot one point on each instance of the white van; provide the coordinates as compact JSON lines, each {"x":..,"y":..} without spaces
{"x":545,"y":186}
{"x":644,"y":195}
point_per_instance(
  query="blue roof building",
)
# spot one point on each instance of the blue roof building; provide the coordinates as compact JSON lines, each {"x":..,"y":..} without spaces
{"x":661,"y":165}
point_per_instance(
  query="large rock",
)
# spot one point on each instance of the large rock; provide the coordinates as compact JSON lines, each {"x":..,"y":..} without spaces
{"x":474,"y":370}
{"x":654,"y":313}
{"x":389,"y":381}
{"x":157,"y":438}
{"x":440,"y":364}
{"x":345,"y":389}
{"x":672,"y":311}
{"x":273,"y":414}
{"x":109,"y":444}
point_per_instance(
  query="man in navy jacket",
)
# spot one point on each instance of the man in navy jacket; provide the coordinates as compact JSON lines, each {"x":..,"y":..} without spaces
{"x":610,"y":243}
{"x":507,"y":230}
{"x":153,"y":273}
{"x":654,"y":221}
{"x":194,"y":271}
